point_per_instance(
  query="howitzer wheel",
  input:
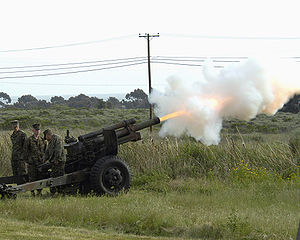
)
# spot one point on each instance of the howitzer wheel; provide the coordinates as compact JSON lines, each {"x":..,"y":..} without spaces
{"x":110,"y":175}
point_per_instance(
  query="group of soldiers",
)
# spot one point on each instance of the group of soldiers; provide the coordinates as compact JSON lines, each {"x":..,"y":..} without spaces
{"x":30,"y":152}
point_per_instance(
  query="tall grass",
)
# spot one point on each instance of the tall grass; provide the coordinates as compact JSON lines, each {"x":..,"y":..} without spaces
{"x":187,"y":158}
{"x":5,"y":154}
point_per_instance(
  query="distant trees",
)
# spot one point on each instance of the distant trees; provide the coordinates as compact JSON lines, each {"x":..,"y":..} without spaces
{"x":113,"y":102}
{"x":26,"y":101}
{"x":29,"y":102}
{"x":4,"y":99}
{"x":135,"y":99}
{"x":57,"y":100}
{"x":293,"y":105}
{"x":81,"y":101}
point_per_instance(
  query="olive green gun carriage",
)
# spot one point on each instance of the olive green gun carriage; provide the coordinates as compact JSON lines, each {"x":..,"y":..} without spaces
{"x":92,"y":164}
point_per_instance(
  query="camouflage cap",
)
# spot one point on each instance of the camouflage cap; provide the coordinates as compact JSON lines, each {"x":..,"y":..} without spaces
{"x":36,"y":126}
{"x":15,"y":122}
{"x":47,"y":131}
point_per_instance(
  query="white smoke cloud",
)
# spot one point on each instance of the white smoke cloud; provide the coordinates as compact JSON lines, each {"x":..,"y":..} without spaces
{"x":241,"y":90}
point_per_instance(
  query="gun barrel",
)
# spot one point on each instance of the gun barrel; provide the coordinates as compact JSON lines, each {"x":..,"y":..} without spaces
{"x":138,"y":127}
{"x":125,"y":131}
{"x":146,"y":124}
{"x":100,"y":131}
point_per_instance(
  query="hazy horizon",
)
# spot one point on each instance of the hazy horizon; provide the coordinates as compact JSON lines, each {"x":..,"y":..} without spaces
{"x":105,"y":96}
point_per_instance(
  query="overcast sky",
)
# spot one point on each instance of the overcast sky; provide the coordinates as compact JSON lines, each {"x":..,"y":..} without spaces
{"x":107,"y":30}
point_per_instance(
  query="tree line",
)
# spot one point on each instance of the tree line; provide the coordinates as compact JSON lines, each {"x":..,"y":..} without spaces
{"x":293,"y":105}
{"x":135,"y":99}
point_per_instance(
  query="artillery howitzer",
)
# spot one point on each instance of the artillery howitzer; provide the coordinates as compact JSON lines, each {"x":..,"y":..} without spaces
{"x":92,"y":164}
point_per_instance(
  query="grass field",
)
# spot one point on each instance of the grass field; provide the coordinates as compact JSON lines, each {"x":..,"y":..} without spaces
{"x":247,"y":187}
{"x":188,"y":209}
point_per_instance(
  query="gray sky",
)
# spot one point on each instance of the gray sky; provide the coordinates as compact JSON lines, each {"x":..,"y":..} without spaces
{"x":187,"y":29}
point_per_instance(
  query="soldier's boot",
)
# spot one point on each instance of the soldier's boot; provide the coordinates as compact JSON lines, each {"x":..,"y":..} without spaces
{"x":61,"y":191}
{"x":39,"y":192}
{"x":52,"y":190}
{"x":32,"y":193}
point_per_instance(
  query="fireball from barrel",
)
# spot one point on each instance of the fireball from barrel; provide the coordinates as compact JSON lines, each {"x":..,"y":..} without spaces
{"x":241,"y":90}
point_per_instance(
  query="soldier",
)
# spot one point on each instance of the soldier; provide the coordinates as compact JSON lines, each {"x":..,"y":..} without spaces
{"x":55,"y":154}
{"x":17,"y":158}
{"x":34,"y":149}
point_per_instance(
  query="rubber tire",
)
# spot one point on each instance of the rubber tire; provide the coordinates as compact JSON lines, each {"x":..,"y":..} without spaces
{"x":106,"y":167}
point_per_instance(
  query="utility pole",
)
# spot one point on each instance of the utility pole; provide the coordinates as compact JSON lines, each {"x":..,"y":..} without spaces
{"x":148,"y":36}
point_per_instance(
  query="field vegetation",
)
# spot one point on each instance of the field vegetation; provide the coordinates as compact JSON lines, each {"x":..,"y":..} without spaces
{"x":247,"y":187}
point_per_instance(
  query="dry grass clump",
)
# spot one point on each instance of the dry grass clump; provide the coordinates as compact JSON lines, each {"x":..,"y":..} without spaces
{"x":5,"y":154}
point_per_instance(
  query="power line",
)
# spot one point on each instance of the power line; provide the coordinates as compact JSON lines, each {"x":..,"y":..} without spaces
{"x":172,"y":63}
{"x":73,"y":72}
{"x":193,"y":60}
{"x":182,"y":57}
{"x":73,"y":63}
{"x":72,"y":84}
{"x":224,"y":61}
{"x":166,"y":34}
{"x":67,"y":45}
{"x":72,"y":67}
{"x":228,"y":57}
{"x":202,"y":58}
{"x":135,"y":62}
{"x":184,"y":64}
{"x":169,"y":58}
{"x":172,"y":58}
{"x":178,"y":59}
{"x":231,"y":37}
{"x":121,"y":62}
{"x":186,"y":58}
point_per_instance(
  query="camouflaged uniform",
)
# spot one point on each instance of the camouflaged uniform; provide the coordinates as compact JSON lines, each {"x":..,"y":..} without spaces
{"x":34,"y":150}
{"x":17,"y":158}
{"x":55,"y":154}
